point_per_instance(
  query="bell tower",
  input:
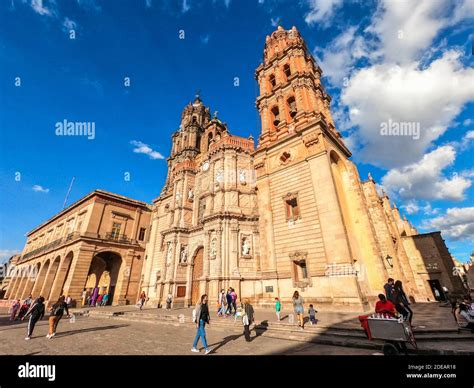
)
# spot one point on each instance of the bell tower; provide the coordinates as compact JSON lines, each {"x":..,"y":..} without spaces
{"x":300,"y":163}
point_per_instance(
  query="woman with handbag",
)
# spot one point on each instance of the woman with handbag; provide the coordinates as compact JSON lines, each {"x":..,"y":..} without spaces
{"x":247,"y":319}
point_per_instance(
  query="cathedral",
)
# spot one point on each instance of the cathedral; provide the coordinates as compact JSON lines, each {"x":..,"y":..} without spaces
{"x":287,"y":211}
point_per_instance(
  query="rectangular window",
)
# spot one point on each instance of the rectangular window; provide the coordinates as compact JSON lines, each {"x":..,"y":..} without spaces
{"x":115,"y":230}
{"x":181,"y":292}
{"x":141,"y":235}
{"x":300,"y":271}
{"x":292,"y":209}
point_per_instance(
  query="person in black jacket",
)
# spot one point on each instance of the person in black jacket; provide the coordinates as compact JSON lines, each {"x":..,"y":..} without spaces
{"x":36,"y":312}
{"x":401,"y":301}
{"x":56,"y":313}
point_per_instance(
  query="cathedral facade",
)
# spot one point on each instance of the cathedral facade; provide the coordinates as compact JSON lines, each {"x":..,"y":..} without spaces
{"x":289,"y":213}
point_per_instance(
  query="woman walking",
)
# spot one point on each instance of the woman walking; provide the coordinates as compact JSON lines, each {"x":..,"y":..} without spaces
{"x":247,"y":319}
{"x":56,"y":313}
{"x":221,"y":301}
{"x":299,"y":309}
{"x":36,"y":312}
{"x":201,"y":317}
{"x":142,"y":299}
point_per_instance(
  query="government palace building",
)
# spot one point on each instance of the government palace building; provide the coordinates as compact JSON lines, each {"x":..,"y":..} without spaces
{"x":287,"y":211}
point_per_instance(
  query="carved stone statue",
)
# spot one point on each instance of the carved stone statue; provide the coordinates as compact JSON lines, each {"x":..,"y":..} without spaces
{"x":243,"y":177}
{"x":245,"y":247}
{"x":169,"y":255}
{"x":190,"y":194}
{"x":183,"y":257}
{"x":213,"y":251}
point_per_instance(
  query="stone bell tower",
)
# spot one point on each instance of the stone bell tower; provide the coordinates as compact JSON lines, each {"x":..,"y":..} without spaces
{"x":302,"y":167}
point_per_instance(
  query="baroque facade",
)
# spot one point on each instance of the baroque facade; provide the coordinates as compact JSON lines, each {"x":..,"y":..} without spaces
{"x":291,"y":214}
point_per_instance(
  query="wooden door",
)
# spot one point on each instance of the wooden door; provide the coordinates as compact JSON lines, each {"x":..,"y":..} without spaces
{"x":197,"y":273}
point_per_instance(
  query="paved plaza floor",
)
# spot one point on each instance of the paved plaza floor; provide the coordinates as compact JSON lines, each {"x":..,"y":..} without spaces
{"x":96,"y":336}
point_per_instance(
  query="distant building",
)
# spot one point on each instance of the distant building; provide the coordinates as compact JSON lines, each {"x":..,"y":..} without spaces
{"x":99,"y":241}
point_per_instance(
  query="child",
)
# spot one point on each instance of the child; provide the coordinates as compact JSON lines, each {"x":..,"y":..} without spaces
{"x":277,"y":308}
{"x":312,"y":315}
{"x":14,"y":309}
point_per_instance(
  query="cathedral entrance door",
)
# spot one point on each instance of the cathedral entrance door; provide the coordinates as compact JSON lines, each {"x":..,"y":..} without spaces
{"x":197,"y":273}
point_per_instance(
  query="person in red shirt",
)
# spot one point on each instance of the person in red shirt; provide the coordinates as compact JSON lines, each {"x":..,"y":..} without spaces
{"x":384,"y":306}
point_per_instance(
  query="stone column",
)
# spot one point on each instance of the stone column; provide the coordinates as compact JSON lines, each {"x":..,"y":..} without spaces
{"x":206,"y":262}
{"x":234,"y":254}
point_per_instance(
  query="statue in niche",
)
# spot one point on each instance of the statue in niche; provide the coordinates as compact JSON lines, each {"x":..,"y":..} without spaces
{"x":243,"y":177}
{"x":169,"y":255}
{"x":213,"y":252}
{"x":178,"y":197}
{"x":190,"y":194}
{"x":183,"y":258}
{"x":245,"y":247}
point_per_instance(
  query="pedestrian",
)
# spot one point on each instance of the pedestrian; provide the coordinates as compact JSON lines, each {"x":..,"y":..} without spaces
{"x":388,"y":287}
{"x":228,"y":297}
{"x":385,"y":307}
{"x":84,"y":297}
{"x":277,"y":308}
{"x":200,"y":318}
{"x":401,"y":301}
{"x":312,"y":315}
{"x":247,"y":319}
{"x":28,"y":301}
{"x":56,"y":313}
{"x":94,"y":296}
{"x":14,"y":309}
{"x":169,"y":300}
{"x":36,"y":312}
{"x":234,"y":299}
{"x":221,"y":302}
{"x":105,"y":299}
{"x":142,"y":299}
{"x":98,"y":302}
{"x":299,"y":309}
{"x":69,"y":301}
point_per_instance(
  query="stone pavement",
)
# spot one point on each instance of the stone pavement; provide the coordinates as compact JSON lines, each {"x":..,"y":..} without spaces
{"x":95,"y":336}
{"x":435,"y":330}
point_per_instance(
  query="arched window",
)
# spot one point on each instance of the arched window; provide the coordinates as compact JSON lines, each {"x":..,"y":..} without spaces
{"x":194,"y":119}
{"x":276,"y":116}
{"x":209,"y":140}
{"x":287,"y":70}
{"x":272,"y":81}
{"x":291,"y":106}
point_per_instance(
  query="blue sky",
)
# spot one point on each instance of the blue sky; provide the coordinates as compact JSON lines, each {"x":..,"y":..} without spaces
{"x":382,"y":60}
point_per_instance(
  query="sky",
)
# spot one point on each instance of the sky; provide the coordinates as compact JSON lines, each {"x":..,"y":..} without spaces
{"x":128,"y":67}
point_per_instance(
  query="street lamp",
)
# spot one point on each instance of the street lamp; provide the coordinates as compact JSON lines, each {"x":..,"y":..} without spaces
{"x":389,"y":261}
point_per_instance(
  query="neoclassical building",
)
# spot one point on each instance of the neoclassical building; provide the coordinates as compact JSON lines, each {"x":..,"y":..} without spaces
{"x":99,"y":241}
{"x":288,"y":213}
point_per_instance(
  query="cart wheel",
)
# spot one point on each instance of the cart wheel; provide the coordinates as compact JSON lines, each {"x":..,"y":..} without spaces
{"x":390,"y":350}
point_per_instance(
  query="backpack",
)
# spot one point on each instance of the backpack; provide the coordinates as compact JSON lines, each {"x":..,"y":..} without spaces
{"x":58,"y":310}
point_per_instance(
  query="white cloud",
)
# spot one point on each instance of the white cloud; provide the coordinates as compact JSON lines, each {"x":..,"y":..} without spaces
{"x":432,"y":97}
{"x":148,"y":3}
{"x":40,"y":189}
{"x":456,"y":223}
{"x":5,"y":254}
{"x":425,"y":179}
{"x":142,"y":148}
{"x":275,"y":21}
{"x":39,"y":6}
{"x":468,"y":122}
{"x":413,"y":207}
{"x":321,"y":11}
